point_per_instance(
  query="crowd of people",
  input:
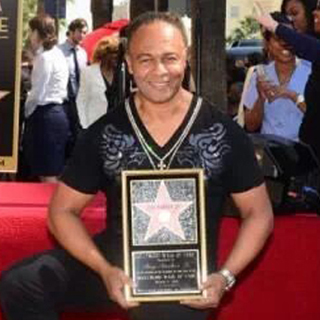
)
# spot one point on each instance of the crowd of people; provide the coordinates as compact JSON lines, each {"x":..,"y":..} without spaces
{"x":273,"y":100}
{"x":271,"y":94}
{"x":306,"y":45}
{"x":277,"y":95}
{"x":61,"y":94}
{"x":160,"y":126}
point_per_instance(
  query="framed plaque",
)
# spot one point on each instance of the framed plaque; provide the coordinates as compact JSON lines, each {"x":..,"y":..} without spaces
{"x":164,"y":234}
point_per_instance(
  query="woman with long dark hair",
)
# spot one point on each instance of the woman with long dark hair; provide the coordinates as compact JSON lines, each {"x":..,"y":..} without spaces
{"x":47,"y":126}
{"x":300,"y":13}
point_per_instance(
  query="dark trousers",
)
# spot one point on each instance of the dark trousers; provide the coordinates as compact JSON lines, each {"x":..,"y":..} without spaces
{"x":70,"y":108}
{"x":46,"y":136}
{"x":42,"y":286}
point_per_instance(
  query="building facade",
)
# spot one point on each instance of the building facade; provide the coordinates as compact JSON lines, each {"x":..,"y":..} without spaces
{"x":237,"y":10}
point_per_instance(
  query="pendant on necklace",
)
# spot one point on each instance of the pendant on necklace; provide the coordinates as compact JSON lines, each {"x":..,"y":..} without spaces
{"x":161,"y":165}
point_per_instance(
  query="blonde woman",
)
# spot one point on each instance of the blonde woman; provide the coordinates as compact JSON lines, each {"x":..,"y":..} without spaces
{"x":96,"y":88}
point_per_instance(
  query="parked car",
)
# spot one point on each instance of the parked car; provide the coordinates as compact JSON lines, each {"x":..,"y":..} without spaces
{"x":240,"y":50}
{"x":247,"y":43}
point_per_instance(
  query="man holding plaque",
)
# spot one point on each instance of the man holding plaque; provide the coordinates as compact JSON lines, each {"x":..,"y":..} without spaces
{"x":161,"y":128}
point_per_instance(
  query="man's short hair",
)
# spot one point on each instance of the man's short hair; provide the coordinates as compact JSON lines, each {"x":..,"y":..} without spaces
{"x":151,"y":17}
{"x":77,"y":24}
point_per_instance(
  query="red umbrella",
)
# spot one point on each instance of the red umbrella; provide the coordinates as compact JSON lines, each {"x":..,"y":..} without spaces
{"x":91,"y":39}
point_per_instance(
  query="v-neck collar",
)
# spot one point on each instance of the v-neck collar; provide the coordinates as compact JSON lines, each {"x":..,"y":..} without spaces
{"x":160,"y":150}
{"x":297,"y":62}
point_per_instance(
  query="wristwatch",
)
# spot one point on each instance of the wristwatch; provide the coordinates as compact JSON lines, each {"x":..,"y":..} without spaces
{"x":300,"y":99}
{"x":229,"y":277}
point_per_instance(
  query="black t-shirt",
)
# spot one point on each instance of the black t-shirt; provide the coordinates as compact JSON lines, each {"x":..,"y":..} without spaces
{"x":214,"y":143}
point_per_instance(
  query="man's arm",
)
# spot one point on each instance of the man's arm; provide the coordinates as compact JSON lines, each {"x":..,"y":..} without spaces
{"x":65,"y":224}
{"x":257,"y":223}
{"x":256,"y":226}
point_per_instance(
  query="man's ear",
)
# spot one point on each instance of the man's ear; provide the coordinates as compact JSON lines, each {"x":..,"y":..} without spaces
{"x":129,"y":64}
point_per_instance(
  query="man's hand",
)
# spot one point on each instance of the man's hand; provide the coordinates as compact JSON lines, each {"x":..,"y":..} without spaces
{"x":264,"y":18}
{"x":115,"y":279}
{"x":214,"y":287}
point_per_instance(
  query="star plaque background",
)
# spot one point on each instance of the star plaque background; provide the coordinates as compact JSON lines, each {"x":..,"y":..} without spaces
{"x":164,"y":234}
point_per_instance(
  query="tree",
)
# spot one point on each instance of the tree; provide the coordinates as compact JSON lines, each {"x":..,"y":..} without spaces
{"x":208,"y":49}
{"x":101,"y":12}
{"x":248,"y":29}
{"x":139,"y":6}
{"x":32,"y":8}
{"x":40,"y":8}
{"x":29,"y":11}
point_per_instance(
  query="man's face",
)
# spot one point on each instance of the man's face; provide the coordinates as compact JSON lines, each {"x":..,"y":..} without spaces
{"x":157,"y":59}
{"x":78,"y":35}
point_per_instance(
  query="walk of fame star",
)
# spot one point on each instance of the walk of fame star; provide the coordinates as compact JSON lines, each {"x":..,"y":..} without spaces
{"x":164,"y":213}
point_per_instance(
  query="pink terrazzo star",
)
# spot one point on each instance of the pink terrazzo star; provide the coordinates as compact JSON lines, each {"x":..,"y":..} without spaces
{"x":164,"y":213}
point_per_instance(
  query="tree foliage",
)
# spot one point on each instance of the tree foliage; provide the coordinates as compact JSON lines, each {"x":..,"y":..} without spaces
{"x":29,"y":11}
{"x":248,"y":29}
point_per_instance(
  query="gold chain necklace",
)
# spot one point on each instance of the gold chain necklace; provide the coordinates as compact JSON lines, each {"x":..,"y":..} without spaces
{"x":172,"y":152}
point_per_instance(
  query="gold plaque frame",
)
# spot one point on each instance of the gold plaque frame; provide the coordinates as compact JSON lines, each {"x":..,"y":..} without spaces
{"x":10,"y":74}
{"x":164,"y":234}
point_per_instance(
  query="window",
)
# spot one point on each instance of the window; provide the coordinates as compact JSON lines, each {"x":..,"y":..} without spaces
{"x":234,"y":12}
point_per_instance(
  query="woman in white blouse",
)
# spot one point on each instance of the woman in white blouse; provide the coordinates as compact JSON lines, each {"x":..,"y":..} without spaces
{"x":96,"y":82}
{"x":47,"y":127}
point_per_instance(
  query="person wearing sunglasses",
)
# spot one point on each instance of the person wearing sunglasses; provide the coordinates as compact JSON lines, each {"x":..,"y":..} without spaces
{"x":307,"y":47}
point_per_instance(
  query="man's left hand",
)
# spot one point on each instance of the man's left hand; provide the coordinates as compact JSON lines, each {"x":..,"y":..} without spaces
{"x":214,"y":287}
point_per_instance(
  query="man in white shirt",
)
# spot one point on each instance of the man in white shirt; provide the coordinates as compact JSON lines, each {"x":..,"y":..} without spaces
{"x":76,"y":56}
{"x":77,"y":59}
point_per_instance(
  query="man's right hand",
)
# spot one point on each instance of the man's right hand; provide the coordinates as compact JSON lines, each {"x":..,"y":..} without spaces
{"x":115,"y":279}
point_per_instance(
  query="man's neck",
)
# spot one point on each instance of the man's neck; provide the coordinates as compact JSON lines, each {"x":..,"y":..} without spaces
{"x":163,"y":111}
{"x":163,"y":120}
{"x":71,"y":43}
